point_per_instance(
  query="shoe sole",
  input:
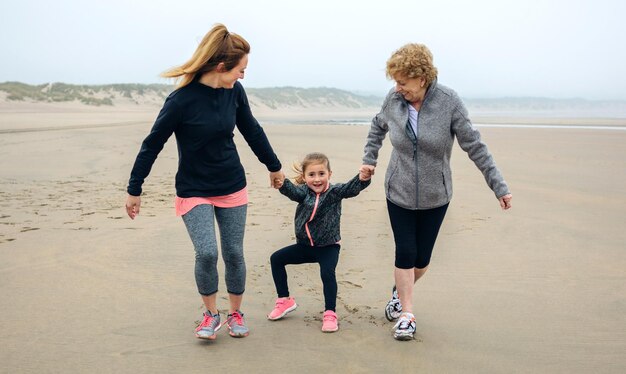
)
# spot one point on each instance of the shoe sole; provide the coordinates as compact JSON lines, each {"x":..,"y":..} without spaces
{"x":238,"y":335}
{"x":288,"y":310}
{"x":403,"y":337}
{"x":212,"y":337}
{"x":327,"y":331}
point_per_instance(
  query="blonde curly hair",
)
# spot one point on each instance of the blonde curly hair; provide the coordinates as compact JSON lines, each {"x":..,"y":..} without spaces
{"x":412,"y":61}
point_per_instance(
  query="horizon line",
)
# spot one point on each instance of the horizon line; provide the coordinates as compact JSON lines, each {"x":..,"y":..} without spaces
{"x":360,"y":92}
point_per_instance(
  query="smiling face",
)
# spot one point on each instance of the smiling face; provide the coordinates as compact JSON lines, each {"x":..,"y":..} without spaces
{"x":317,"y":176}
{"x":228,"y":78}
{"x":412,"y":89}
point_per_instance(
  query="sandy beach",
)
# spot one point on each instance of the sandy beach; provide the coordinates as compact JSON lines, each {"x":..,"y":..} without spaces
{"x":537,"y":289}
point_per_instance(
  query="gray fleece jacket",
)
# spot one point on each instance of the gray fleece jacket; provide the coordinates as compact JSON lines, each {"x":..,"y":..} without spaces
{"x":318,"y":216}
{"x":419,"y":175}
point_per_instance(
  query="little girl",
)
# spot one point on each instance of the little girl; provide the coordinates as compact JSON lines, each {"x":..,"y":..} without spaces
{"x":317,"y":231}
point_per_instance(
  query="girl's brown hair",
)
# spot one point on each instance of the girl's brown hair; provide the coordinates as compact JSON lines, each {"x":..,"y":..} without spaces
{"x":218,"y":45}
{"x":310,"y":159}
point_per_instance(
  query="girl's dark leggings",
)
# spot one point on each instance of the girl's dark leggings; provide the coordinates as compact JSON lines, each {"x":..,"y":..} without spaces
{"x":327,"y":257}
{"x":415,"y":233}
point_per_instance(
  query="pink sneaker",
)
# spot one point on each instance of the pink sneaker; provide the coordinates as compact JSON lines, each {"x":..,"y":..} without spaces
{"x":330,"y":322}
{"x":283,"y":306}
{"x":209,"y":326}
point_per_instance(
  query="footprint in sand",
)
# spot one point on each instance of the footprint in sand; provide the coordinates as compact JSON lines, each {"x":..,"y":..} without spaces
{"x":354,"y":271}
{"x":350,"y":284}
{"x":312,"y":318}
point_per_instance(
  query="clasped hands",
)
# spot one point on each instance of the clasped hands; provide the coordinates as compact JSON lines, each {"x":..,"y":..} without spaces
{"x":278,"y":177}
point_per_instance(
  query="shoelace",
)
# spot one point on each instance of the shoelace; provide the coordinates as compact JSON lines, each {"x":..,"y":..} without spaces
{"x":403,"y":323}
{"x":206,"y":321}
{"x":238,"y":318}
{"x":330,"y":317}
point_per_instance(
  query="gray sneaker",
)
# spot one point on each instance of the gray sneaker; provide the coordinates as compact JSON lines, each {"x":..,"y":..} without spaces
{"x":237,"y":325}
{"x":405,"y":327}
{"x":393,"y":309}
{"x":209,"y":326}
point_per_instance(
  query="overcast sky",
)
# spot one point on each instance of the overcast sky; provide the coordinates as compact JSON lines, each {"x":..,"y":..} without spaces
{"x":482,"y":48}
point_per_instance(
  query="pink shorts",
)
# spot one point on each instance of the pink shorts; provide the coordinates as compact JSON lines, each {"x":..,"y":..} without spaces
{"x":185,"y":204}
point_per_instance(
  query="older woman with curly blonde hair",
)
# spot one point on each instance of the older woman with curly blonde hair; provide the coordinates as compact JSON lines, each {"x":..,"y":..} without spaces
{"x":422,"y":118}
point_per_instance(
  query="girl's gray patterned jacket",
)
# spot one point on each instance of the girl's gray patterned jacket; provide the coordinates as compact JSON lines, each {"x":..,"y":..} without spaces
{"x":418,"y":175}
{"x":318,"y":214}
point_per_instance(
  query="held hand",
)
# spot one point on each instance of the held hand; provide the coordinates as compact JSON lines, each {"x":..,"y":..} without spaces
{"x":133,"y":203}
{"x":505,"y":201}
{"x":366,"y":172}
{"x":276,"y":179}
{"x":365,"y":175}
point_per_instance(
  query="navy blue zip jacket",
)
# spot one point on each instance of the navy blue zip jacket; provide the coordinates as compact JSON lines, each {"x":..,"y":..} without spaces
{"x":203,"y":120}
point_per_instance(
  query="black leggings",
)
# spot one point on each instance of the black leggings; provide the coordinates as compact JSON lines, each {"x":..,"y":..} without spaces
{"x":327,"y":257}
{"x":415,"y":233}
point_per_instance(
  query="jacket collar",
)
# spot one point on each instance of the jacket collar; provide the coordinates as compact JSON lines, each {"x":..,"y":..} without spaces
{"x":431,"y":89}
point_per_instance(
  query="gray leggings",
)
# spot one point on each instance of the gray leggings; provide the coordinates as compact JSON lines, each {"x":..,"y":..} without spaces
{"x":201,"y":228}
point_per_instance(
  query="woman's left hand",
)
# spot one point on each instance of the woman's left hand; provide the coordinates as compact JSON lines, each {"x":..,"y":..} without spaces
{"x":505,"y":201}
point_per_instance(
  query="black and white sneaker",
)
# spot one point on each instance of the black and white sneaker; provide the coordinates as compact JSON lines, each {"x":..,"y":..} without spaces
{"x":405,"y":327}
{"x":393,"y":310}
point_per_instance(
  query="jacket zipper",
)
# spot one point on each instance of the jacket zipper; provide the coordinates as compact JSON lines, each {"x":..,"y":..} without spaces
{"x":417,"y":126}
{"x":413,"y":137}
{"x":306,"y":225}
{"x":417,"y":185}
